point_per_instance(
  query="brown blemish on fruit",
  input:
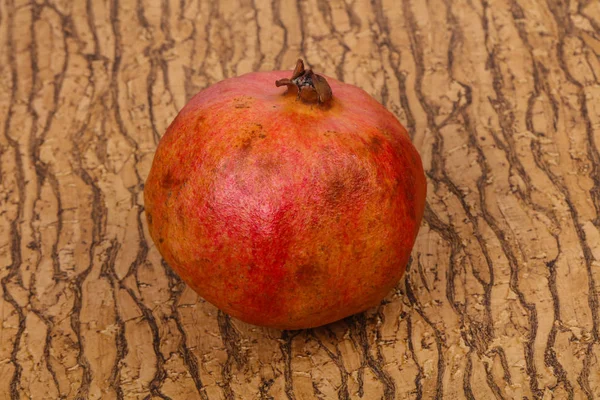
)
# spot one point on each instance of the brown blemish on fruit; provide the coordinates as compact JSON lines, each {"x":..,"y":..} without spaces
{"x":199,"y":122}
{"x":375,"y":144}
{"x":170,"y":180}
{"x":246,"y":144}
{"x":335,"y":189}
{"x":268,"y":165}
{"x":248,"y":135}
{"x":256,"y":128}
{"x":306,"y":274}
{"x":346,"y":185}
{"x":243,"y":102}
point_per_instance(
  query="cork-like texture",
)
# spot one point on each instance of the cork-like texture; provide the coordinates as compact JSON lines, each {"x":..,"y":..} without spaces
{"x":502,"y":99}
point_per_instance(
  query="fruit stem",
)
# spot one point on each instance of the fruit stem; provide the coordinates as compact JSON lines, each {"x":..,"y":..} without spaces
{"x":310,"y":86}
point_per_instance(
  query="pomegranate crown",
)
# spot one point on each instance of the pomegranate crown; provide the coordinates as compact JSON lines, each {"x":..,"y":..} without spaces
{"x":310,"y":86}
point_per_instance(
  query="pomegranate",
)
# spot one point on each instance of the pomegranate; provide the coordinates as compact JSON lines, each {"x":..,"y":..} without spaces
{"x":286,"y":208}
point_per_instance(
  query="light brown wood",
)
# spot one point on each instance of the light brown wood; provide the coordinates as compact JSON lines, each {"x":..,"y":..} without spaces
{"x":502,"y":99}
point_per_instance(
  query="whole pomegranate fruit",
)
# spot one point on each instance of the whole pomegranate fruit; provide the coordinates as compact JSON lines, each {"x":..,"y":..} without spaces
{"x":284,"y":213}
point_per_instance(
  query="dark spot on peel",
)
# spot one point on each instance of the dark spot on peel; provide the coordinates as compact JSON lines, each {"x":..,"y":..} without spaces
{"x":198,"y":126}
{"x":346,"y":186}
{"x":170,"y":180}
{"x":248,"y":135}
{"x":161,"y":240}
{"x":335,"y":190}
{"x":243,"y":102}
{"x":149,"y":218}
{"x":375,"y":144}
{"x":246,"y":144}
{"x":256,"y":128}
{"x":268,"y":165}
{"x":305,"y":274}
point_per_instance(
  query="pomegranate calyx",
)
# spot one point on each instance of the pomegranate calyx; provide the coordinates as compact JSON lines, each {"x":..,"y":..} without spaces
{"x":309,"y":86}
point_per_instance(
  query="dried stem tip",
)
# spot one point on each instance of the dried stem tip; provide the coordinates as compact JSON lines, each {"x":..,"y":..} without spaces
{"x":308,"y":84}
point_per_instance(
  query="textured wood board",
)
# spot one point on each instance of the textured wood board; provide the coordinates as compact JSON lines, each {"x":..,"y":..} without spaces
{"x":502,"y":99}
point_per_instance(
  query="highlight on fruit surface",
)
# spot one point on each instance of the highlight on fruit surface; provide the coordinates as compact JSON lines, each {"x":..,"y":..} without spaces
{"x":286,"y":208}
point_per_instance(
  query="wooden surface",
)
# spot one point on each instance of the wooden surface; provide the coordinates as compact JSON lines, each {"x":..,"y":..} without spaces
{"x":501,"y":97}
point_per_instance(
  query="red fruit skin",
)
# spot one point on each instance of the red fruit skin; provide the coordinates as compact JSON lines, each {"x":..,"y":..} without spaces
{"x":285,"y":214}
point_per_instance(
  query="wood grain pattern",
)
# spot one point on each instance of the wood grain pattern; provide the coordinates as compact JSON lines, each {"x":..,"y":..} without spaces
{"x":502,"y":99}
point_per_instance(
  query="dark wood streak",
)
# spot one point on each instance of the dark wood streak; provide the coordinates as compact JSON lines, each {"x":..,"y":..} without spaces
{"x":491,"y":382}
{"x":324,"y":8}
{"x":122,"y":348}
{"x":191,"y":362}
{"x":474,"y":143}
{"x":422,"y":273}
{"x":211,"y":18}
{"x":580,"y":8}
{"x":387,"y":41}
{"x":189,"y":71}
{"x":157,"y":58}
{"x":550,"y":352}
{"x":506,"y":114}
{"x":263,"y":390}
{"x":151,"y":78}
{"x":467,"y":376}
{"x":231,"y":341}
{"x":302,"y":23}
{"x":261,"y":57}
{"x":13,"y":275}
{"x":439,"y":176}
{"x":98,"y":218}
{"x":381,"y":35}
{"x":358,"y":333}
{"x":411,"y":349}
{"x":439,"y":342}
{"x":336,"y":357}
{"x":506,"y":119}
{"x":160,"y":374}
{"x":109,"y":273}
{"x":542,"y":86}
{"x":506,"y":124}
{"x":565,"y":28}
{"x":287,"y":337}
{"x":120,"y":338}
{"x":34,"y":150}
{"x":43,"y":175}
{"x":276,"y":9}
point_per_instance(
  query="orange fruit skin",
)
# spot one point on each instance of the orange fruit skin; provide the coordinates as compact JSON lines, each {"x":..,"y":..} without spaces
{"x":285,"y":214}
